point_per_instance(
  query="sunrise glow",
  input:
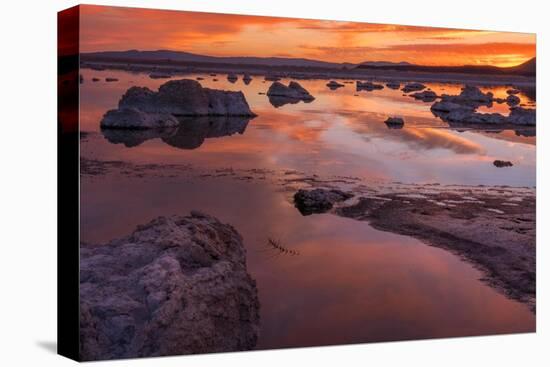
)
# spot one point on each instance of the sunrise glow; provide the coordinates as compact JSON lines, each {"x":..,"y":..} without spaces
{"x":116,"y":28}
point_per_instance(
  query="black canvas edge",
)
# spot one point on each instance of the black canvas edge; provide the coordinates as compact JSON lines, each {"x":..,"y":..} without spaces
{"x":68,"y":183}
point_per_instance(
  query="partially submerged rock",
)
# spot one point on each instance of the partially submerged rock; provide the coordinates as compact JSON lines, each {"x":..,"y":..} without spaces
{"x":177,"y":285}
{"x":512,"y":91}
{"x":394,"y":122}
{"x":232,"y":78}
{"x":368,"y":86}
{"x":272,"y":78}
{"x":470,"y":96}
{"x":247,"y":79}
{"x":318,"y":200}
{"x":293,"y":91}
{"x":132,"y":118}
{"x":512,"y":100}
{"x":393,"y":85}
{"x":498,"y":163}
{"x":334,"y":84}
{"x":413,"y":87}
{"x":95,"y":79}
{"x":183,"y":97}
{"x":522,"y":116}
{"x":426,"y":96}
{"x":110,"y":79}
{"x":462,"y":109}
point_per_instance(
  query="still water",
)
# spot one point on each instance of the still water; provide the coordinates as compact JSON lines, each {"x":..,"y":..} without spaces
{"x":350,"y":283}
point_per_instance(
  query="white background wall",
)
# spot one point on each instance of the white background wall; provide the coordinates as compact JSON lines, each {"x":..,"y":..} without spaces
{"x":28,"y":183}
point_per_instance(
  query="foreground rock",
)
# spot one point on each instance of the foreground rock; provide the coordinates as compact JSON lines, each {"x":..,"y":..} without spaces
{"x":368,"y":86}
{"x":280,"y":94}
{"x":176,"y":285}
{"x":394,"y":122}
{"x":183,"y":97}
{"x":498,"y":163}
{"x":413,"y":87}
{"x":318,"y":200}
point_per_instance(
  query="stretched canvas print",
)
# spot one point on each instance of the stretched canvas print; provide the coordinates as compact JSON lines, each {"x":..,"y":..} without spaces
{"x":233,"y":182}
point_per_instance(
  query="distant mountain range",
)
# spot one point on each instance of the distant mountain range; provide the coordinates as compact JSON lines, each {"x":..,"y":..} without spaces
{"x":178,"y":57}
{"x":528,"y":68}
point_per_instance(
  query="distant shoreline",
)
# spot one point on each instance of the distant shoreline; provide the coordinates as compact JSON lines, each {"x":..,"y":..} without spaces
{"x":149,"y":66}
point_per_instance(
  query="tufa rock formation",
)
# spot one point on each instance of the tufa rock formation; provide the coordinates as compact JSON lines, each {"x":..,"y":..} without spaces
{"x":183,"y":97}
{"x":176,"y":285}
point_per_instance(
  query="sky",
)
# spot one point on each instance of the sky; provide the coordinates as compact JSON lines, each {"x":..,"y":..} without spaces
{"x":118,"y":29}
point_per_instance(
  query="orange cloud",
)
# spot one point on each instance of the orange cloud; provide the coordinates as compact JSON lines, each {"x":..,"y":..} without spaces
{"x":115,"y":28}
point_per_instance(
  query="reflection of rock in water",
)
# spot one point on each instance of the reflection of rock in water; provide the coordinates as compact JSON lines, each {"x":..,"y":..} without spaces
{"x":277,"y":101}
{"x":190,"y":134}
{"x":133,"y":138}
{"x":178,"y":285}
{"x":193,"y":131}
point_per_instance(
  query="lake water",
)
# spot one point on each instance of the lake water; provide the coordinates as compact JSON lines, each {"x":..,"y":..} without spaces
{"x":350,"y":283}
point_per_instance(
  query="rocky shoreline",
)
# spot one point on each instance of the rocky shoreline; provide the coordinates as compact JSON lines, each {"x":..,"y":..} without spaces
{"x":177,"y":285}
{"x":493,"y":229}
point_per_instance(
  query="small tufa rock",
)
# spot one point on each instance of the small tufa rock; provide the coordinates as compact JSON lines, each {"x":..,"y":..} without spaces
{"x":394,"y":122}
{"x":522,"y":116}
{"x":498,"y":163}
{"x":318,"y":200}
{"x":512,"y":100}
{"x":368,"y":86}
{"x":426,"y":96}
{"x":393,"y":85}
{"x":293,"y":91}
{"x":413,"y":87}
{"x":334,"y":84}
